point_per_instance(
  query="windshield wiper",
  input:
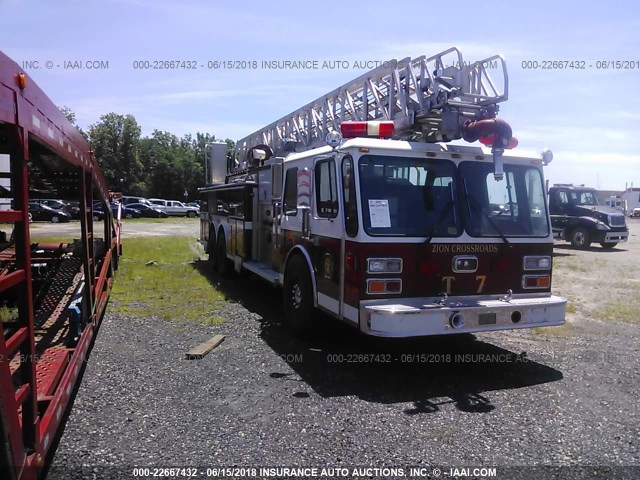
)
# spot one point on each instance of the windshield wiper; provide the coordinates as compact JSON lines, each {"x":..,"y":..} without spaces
{"x":443,"y":214}
{"x":468,"y":199}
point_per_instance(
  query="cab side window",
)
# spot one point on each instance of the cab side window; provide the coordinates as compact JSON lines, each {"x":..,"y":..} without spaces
{"x":349,"y":197}
{"x":326,"y":189}
{"x":290,"y":203}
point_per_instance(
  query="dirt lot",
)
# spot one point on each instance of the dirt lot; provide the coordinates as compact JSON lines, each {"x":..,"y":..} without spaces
{"x":543,"y":403}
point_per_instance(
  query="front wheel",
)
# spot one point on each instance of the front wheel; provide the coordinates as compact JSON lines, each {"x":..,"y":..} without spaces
{"x":299,"y":314}
{"x":608,"y":245}
{"x":580,"y":238}
{"x":55,"y":219}
{"x":191,"y":214}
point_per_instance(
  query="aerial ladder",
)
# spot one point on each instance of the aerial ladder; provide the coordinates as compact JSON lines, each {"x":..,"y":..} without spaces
{"x":53,"y":294}
{"x":432,"y":99}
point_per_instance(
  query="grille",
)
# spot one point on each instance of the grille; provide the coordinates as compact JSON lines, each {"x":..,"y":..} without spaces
{"x":616,"y":220}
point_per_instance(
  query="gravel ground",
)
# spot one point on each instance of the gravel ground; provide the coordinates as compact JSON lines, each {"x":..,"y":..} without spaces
{"x":564,"y":397}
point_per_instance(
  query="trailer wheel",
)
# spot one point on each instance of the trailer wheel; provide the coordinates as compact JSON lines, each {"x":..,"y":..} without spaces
{"x":222,"y":264}
{"x":114,"y":259}
{"x":299,"y":314}
{"x":580,"y":238}
{"x":608,"y":245}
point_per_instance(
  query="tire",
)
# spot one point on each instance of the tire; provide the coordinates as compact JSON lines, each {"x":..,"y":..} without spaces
{"x":222,"y":263}
{"x":55,"y":219}
{"x":580,"y":238}
{"x":114,"y":260}
{"x":191,"y":214}
{"x":299,"y":313}
{"x":128,"y":215}
{"x":608,"y":245}
{"x":211,"y":250}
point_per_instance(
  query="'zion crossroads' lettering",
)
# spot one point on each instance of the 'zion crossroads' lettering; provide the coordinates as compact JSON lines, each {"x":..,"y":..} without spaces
{"x":464,"y":248}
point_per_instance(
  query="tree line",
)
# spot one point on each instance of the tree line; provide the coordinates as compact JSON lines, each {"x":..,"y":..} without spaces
{"x":161,"y":165}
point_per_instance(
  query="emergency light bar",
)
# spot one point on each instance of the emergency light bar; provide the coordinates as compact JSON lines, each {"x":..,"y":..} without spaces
{"x":385,"y":129}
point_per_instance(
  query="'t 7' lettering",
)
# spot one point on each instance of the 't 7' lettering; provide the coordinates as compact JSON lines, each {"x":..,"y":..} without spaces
{"x":481,"y":279}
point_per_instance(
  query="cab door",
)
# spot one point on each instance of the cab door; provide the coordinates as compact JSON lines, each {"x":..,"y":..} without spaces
{"x":326,"y":233}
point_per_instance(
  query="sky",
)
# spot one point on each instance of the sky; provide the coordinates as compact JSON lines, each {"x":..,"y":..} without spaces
{"x":589,"y":117}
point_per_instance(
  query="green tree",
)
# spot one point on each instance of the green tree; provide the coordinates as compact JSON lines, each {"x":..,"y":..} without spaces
{"x":115,"y":140}
{"x":67,"y":112}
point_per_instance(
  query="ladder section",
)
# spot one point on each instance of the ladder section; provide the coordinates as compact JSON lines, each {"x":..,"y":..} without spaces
{"x":428,"y":99}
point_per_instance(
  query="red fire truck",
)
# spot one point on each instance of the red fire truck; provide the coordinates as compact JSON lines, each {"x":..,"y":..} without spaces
{"x":53,"y":294}
{"x":357,"y":205}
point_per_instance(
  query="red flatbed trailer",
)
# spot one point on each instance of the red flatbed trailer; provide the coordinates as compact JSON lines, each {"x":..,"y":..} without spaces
{"x":57,"y":292}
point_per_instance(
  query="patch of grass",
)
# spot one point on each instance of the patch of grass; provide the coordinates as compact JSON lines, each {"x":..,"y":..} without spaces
{"x":574,"y":267}
{"x":556,"y":331}
{"x":624,"y":310}
{"x":171,"y":288}
{"x":571,"y":307}
{"x":8,"y":314}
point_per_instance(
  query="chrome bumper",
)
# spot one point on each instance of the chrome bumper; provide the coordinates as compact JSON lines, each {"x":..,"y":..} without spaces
{"x":414,"y":317}
{"x":612,"y":237}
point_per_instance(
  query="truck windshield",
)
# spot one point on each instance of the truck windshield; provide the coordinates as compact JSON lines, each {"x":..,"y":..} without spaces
{"x":513,"y":206}
{"x":407,"y":196}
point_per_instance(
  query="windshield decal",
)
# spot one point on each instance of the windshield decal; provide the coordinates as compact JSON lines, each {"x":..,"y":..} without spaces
{"x":379,"y":213}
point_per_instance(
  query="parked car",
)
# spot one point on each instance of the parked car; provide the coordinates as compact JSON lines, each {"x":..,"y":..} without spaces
{"x":129,"y":200}
{"x":194,"y":204}
{"x":40,"y":211}
{"x":154,"y":211}
{"x":635,"y":213}
{"x":176,"y":208}
{"x":72,"y":208}
{"x":126,"y":211}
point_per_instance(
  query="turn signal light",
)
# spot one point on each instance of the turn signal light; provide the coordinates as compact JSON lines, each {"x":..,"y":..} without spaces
{"x":384,"y":286}
{"x":536,"y":281}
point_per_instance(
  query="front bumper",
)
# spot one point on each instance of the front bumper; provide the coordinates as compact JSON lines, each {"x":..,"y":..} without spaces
{"x":615,"y":237}
{"x":414,"y":317}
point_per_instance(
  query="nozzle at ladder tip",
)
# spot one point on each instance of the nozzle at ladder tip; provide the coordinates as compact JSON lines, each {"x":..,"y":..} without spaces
{"x":473,"y":130}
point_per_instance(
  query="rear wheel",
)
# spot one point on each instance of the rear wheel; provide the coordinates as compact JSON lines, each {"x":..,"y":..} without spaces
{"x":608,"y":245}
{"x":580,"y":238}
{"x":55,"y":219}
{"x":211,"y":249}
{"x":299,"y":314}
{"x":222,"y":263}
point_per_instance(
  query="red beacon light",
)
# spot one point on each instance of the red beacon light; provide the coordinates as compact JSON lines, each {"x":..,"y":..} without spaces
{"x":384,"y":129}
{"x":489,"y":139}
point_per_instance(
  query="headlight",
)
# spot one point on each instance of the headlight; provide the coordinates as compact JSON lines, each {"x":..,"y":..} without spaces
{"x":537,"y":262}
{"x":384,"y":265}
{"x":601,"y":226}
